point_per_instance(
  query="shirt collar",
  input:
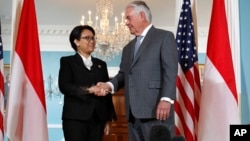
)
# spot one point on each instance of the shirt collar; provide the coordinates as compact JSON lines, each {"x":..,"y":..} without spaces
{"x":84,"y":58}
{"x":145,"y":31}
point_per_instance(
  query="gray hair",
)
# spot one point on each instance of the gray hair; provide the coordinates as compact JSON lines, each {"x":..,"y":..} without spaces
{"x":141,"y":6}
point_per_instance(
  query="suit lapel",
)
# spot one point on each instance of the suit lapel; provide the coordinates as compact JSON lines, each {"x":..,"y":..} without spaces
{"x":79,"y":61}
{"x":143,"y":46}
{"x":95,"y":65}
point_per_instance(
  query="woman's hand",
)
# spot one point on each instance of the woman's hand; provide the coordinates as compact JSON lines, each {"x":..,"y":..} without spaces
{"x":106,"y":128}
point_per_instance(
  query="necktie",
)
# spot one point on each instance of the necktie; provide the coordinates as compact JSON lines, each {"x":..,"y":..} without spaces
{"x":137,"y":44}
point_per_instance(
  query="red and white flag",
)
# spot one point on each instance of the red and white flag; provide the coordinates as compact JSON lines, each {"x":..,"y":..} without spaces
{"x":188,"y":80}
{"x":219,"y":99}
{"x":1,"y":88}
{"x":26,"y":110}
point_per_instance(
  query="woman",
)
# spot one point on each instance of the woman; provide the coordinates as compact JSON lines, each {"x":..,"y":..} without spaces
{"x":85,"y":116}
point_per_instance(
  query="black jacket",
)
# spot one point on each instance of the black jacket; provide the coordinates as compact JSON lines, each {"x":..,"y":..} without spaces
{"x":74,"y":78}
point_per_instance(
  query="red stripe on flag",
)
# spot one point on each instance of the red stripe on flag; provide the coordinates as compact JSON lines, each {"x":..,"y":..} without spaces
{"x":26,"y":109}
{"x":188,"y":80}
{"x":177,"y":131}
{"x":219,"y":100}
{"x":197,"y":91}
{"x":191,"y":105}
{"x":188,"y":104}
{"x":30,"y":57}
{"x":1,"y":100}
{"x":1,"y":87}
{"x":187,"y":133}
{"x":222,"y":47}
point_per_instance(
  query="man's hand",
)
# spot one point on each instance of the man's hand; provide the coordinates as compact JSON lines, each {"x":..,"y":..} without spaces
{"x":101,"y":89}
{"x":163,"y":110}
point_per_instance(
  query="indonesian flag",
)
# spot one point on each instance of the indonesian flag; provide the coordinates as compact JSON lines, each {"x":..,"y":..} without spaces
{"x":26,"y":109}
{"x":219,"y":100}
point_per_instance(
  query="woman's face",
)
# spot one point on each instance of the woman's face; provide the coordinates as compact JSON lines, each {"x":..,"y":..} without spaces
{"x":86,"y":44}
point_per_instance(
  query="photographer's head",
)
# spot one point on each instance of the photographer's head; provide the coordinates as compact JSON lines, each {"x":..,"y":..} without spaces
{"x":160,"y":133}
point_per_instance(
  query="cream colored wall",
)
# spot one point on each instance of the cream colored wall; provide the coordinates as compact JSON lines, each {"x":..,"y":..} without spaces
{"x":54,"y":37}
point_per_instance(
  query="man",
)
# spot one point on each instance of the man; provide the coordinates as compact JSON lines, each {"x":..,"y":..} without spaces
{"x":148,"y":77}
{"x":6,"y":90}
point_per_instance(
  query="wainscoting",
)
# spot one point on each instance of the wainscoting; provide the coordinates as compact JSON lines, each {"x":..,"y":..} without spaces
{"x":119,"y":128}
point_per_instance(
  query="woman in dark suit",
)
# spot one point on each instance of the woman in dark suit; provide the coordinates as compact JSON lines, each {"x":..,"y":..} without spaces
{"x":85,"y":116}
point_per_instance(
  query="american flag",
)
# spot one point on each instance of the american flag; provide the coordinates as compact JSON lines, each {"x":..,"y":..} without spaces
{"x":1,"y":87}
{"x":188,"y":80}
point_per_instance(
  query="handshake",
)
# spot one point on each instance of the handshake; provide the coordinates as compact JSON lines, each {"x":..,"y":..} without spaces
{"x":100,"y":89}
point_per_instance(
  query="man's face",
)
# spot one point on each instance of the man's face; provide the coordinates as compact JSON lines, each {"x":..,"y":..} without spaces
{"x":133,"y":21}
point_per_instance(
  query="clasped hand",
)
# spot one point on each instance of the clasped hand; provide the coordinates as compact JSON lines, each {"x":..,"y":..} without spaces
{"x":100,"y":89}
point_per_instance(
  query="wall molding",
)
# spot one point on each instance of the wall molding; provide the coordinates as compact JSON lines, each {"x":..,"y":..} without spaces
{"x":56,"y":38}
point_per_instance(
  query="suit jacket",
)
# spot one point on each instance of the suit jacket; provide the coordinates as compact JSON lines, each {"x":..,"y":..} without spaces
{"x":74,"y":78}
{"x":6,"y":93}
{"x":150,"y":75}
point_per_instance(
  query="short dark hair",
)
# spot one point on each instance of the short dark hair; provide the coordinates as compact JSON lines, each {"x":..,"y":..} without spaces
{"x":178,"y":138}
{"x":76,"y":34}
{"x":159,"y":133}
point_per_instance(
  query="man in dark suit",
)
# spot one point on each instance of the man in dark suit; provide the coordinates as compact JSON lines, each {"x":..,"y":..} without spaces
{"x":6,"y":89}
{"x":85,"y":116}
{"x":148,"y":76}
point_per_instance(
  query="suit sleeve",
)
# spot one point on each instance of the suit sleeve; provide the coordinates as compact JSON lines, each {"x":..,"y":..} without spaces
{"x":65,"y":81}
{"x":110,"y":106}
{"x":169,"y":60}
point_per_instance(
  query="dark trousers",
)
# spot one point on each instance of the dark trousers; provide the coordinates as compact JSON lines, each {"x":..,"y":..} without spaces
{"x":139,"y":129}
{"x":83,"y":130}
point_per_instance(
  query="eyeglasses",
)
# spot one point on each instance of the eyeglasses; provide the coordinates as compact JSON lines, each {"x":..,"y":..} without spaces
{"x":89,"y":38}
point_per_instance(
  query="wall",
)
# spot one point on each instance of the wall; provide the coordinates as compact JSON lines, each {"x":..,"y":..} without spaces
{"x":245,"y":67}
{"x":52,"y":44}
{"x":54,"y":103}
